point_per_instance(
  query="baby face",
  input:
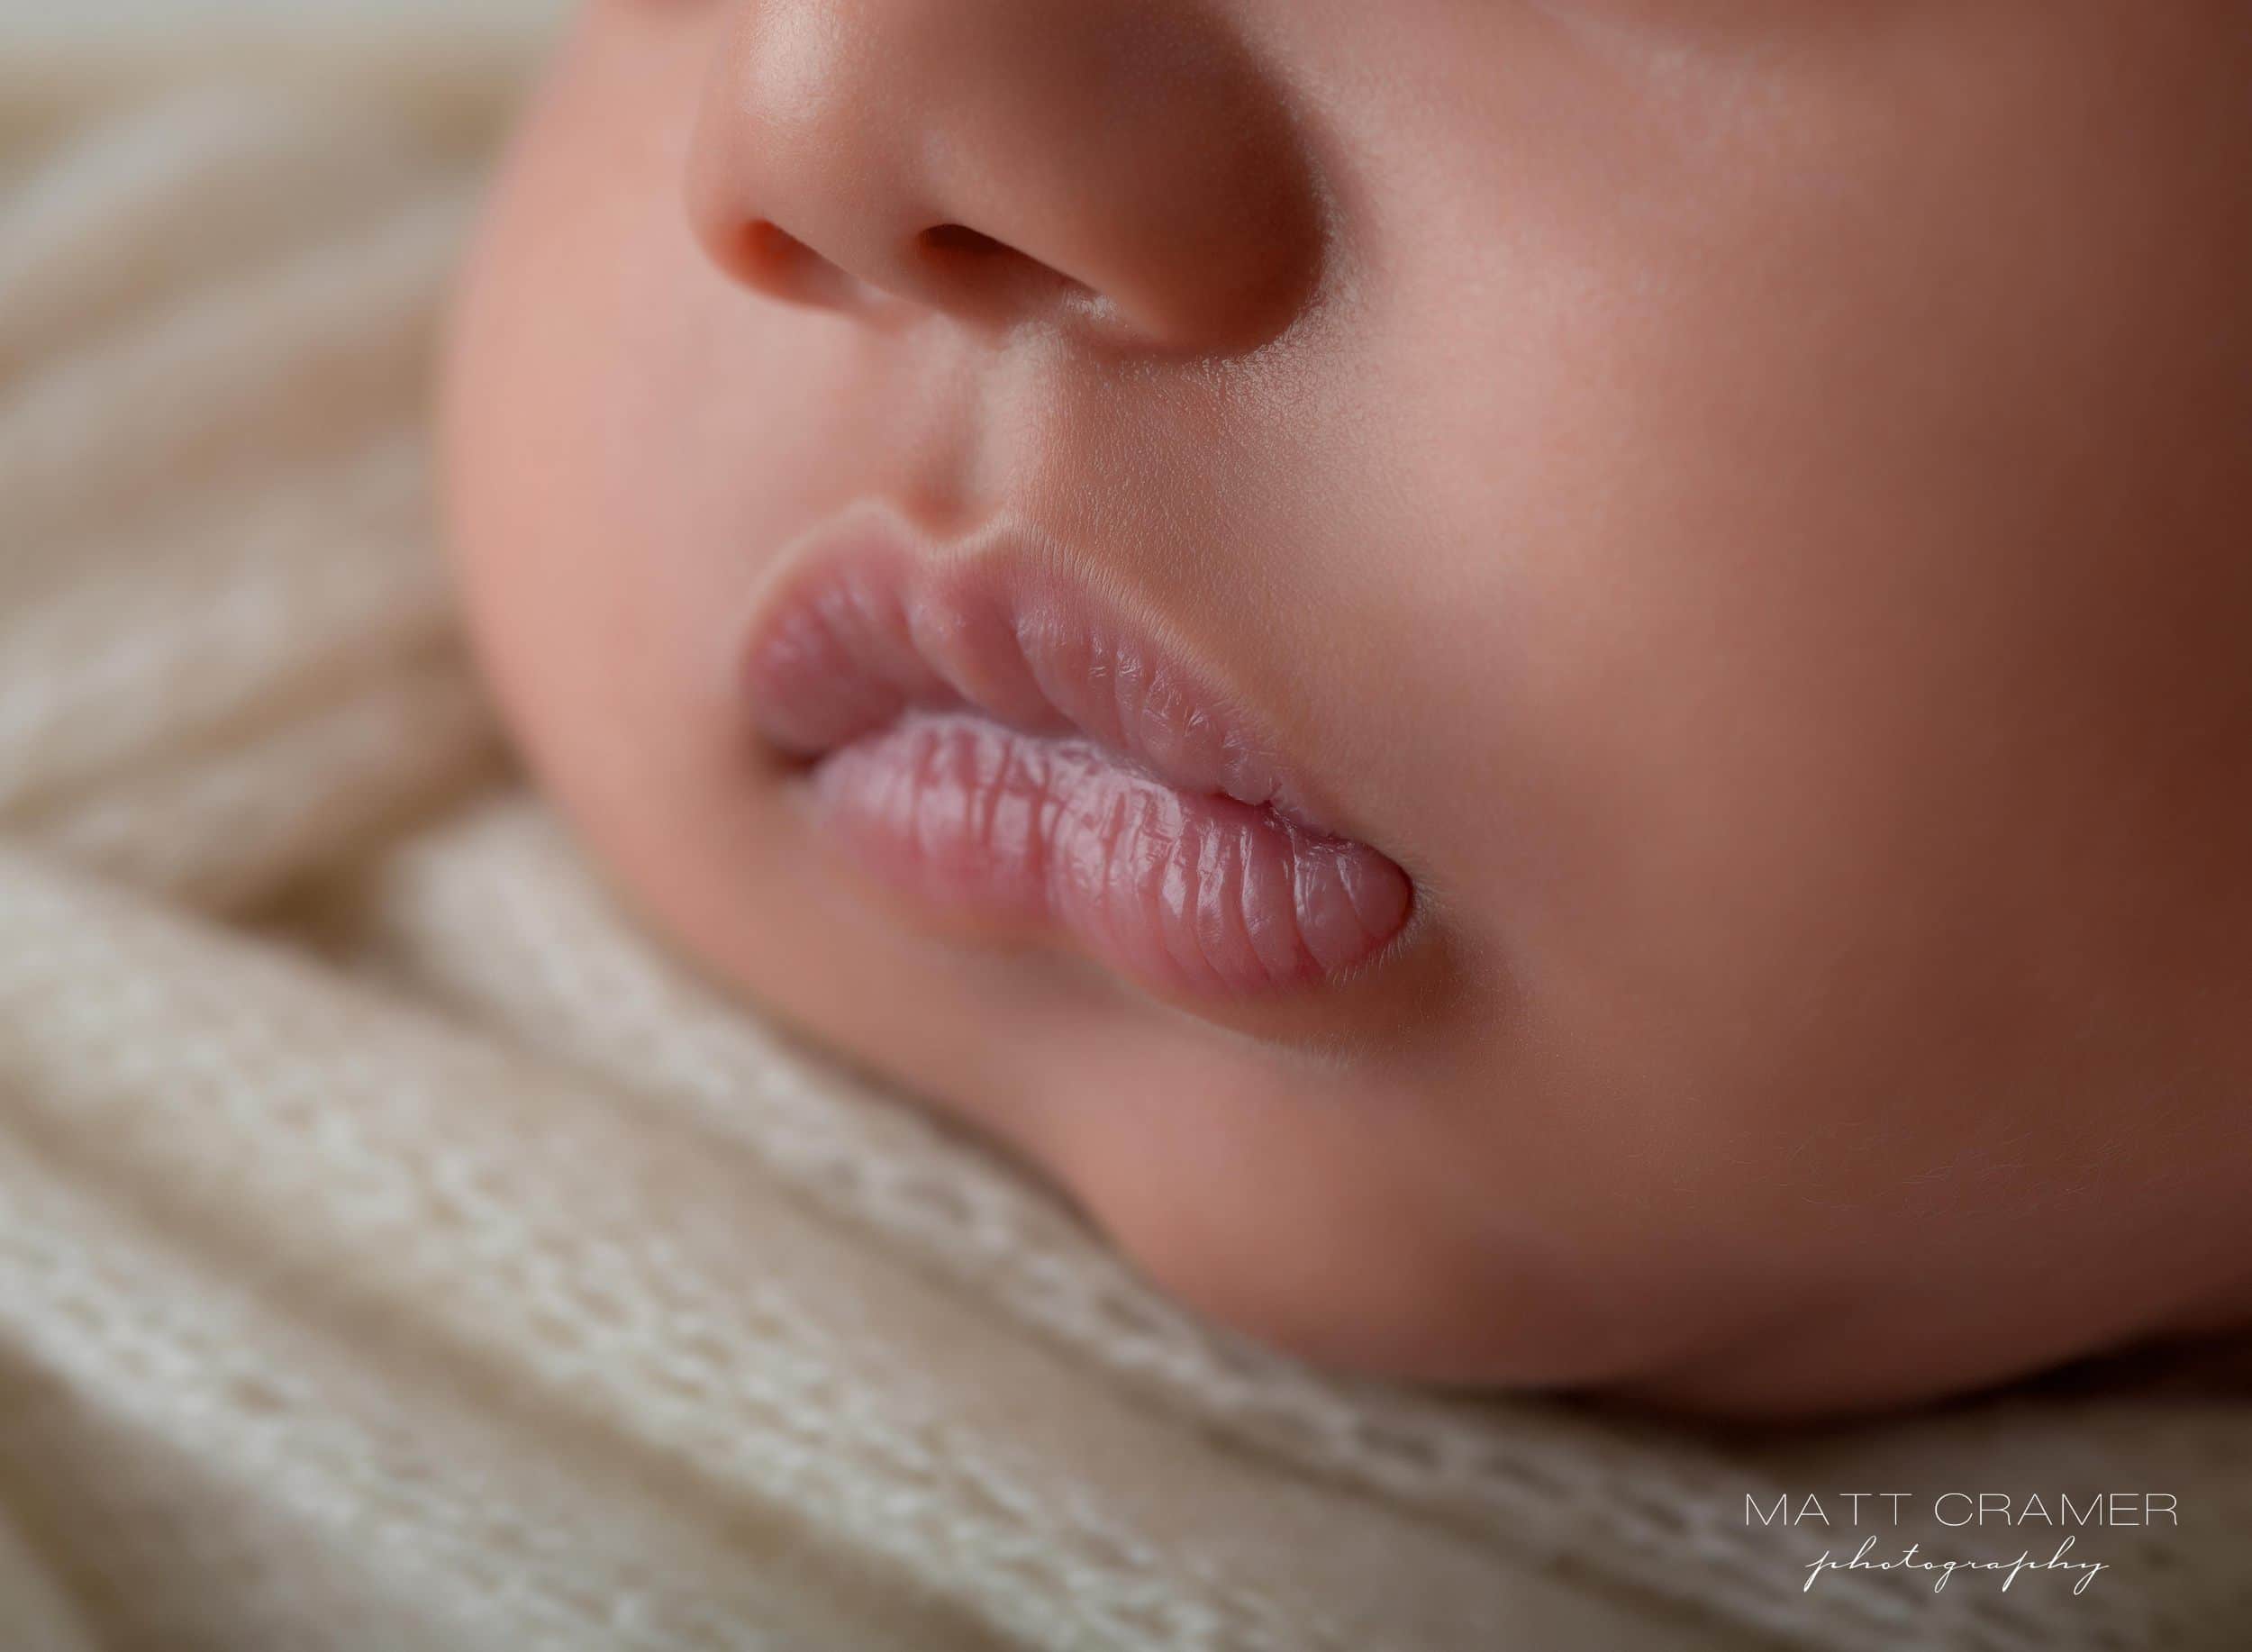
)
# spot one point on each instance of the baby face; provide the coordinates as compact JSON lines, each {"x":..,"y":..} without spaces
{"x":1547,"y":691}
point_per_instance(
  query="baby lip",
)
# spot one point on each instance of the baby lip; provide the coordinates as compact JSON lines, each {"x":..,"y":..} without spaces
{"x":1192,"y":895}
{"x":990,"y":738}
{"x":868,"y":631}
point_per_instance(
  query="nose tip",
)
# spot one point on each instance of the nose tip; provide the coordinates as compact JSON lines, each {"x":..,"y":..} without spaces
{"x":1122,"y":164}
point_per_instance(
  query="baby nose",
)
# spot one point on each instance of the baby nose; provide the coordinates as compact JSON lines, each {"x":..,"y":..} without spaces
{"x":1125,"y":164}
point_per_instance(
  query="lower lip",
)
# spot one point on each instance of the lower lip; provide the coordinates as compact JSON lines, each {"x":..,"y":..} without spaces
{"x":1191,"y":895}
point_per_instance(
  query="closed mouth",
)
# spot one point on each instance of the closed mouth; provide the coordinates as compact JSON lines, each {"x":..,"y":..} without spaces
{"x":993,"y":742}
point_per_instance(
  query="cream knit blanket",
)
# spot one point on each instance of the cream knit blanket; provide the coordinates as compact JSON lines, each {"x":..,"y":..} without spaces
{"x":397,"y":1251}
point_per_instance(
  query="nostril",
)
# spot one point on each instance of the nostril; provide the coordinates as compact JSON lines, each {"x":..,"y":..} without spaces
{"x":764,"y":255}
{"x":976,"y":271}
{"x":960,"y":240}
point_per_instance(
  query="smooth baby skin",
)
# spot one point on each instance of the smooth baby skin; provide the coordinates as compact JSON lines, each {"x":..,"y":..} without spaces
{"x":1745,"y":506}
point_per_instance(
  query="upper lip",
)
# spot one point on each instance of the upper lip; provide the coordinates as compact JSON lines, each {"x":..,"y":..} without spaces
{"x":865,"y":620}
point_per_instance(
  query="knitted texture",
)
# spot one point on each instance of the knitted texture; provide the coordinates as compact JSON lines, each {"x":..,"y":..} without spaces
{"x":399,"y":1249}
